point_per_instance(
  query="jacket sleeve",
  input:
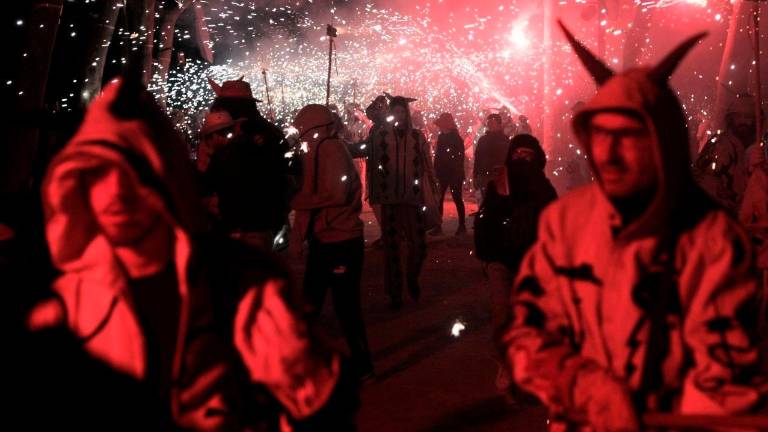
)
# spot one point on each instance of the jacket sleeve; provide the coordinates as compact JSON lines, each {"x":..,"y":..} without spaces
{"x":278,"y":351}
{"x":719,"y":290}
{"x":335,"y":178}
{"x":537,"y":341}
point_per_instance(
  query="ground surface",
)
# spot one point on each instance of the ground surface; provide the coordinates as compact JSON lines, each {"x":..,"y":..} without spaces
{"x":427,"y":379}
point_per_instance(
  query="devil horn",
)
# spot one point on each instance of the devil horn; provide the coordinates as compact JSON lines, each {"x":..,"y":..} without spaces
{"x":216,"y":88}
{"x":599,"y":71}
{"x":241,"y":77}
{"x":666,"y":67}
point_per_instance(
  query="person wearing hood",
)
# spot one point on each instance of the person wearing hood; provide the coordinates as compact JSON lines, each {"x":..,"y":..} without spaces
{"x":198,"y":321}
{"x":449,"y":167}
{"x":328,"y":216}
{"x":490,"y":153}
{"x":639,"y":293}
{"x":505,"y":227}
{"x":721,"y":168}
{"x":250,"y":174}
{"x":403,"y":166}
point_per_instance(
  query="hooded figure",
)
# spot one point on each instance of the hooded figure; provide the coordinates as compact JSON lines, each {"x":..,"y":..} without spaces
{"x":328,"y":216}
{"x":403,"y":171}
{"x":505,"y":227}
{"x":490,"y":153}
{"x":721,"y":168}
{"x":449,"y":165}
{"x":639,"y":294}
{"x":152,"y":298}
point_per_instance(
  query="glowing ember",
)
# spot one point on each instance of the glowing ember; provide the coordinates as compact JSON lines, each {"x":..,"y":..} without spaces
{"x":457,"y":328}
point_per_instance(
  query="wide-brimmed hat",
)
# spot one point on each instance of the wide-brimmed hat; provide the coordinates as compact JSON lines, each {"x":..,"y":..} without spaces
{"x":216,"y":121}
{"x":235,"y":89}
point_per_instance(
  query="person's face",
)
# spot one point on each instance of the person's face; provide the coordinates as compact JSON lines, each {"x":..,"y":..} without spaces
{"x":121,"y":210}
{"x":493,"y":124}
{"x":622,"y":151}
{"x":523,"y":153}
{"x":219,"y":138}
{"x":743,"y":124}
{"x":400,"y":114}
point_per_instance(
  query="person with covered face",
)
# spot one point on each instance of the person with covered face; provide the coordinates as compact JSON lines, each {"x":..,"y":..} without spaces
{"x":449,"y":167}
{"x":505,"y":226}
{"x":250,"y":174}
{"x":490,"y":153}
{"x":198,"y":321}
{"x":402,"y":165}
{"x":328,"y":216}
{"x":721,"y":168}
{"x":640,"y":293}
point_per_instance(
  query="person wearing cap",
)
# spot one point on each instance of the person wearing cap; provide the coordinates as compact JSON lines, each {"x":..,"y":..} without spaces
{"x":639,"y":294}
{"x":490,"y":153}
{"x":328,"y":207}
{"x":449,"y":167}
{"x":721,"y":168}
{"x":217,"y":130}
{"x":403,"y":167}
{"x":250,"y":174}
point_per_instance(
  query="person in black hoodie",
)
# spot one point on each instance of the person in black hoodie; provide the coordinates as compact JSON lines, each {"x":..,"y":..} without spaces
{"x":506,"y":224}
{"x":449,"y":167}
{"x":250,"y":174}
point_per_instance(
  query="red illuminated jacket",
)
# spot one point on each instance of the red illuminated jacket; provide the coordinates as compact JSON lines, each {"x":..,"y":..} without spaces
{"x":264,"y":331}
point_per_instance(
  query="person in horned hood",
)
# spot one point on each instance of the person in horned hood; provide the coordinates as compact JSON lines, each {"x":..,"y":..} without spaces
{"x":152,"y":296}
{"x":403,"y":164}
{"x":639,"y":293}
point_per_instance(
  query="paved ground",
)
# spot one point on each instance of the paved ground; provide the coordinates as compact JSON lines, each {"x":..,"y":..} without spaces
{"x":429,"y":380}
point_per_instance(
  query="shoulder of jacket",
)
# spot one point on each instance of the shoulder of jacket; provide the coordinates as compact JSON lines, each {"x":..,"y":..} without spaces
{"x":717,"y":226}
{"x":574,"y":205}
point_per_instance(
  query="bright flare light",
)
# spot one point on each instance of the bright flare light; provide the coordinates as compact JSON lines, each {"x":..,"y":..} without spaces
{"x":518,"y":37}
{"x":457,"y":328}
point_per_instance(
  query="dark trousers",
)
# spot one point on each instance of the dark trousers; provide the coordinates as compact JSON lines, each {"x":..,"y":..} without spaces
{"x":339,"y":266}
{"x":403,"y":222}
{"x":456,"y":187}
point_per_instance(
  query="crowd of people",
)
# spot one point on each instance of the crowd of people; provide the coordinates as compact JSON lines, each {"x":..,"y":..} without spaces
{"x":638,"y":292}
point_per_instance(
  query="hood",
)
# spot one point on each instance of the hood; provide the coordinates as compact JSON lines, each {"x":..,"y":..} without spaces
{"x":645,"y":92}
{"x":123,"y":129}
{"x":530,"y":142}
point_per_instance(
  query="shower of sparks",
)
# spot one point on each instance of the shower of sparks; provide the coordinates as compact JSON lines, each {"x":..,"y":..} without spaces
{"x":468,"y":59}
